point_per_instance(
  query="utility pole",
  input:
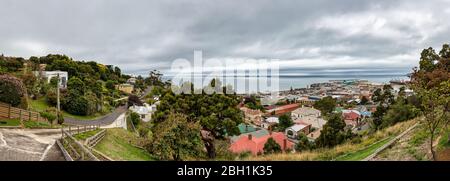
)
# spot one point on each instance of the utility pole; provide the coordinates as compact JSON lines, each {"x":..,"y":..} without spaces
{"x":57,"y":94}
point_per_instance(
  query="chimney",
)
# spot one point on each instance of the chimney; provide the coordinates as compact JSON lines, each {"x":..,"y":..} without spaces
{"x":249,"y":136}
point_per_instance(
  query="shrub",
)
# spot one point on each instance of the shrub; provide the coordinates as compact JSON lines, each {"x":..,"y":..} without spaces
{"x":12,"y":91}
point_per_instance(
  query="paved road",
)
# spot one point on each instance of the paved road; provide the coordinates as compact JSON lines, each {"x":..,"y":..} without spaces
{"x":105,"y":120}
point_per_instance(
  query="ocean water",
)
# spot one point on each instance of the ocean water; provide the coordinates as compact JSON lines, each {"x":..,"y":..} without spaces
{"x":285,"y":82}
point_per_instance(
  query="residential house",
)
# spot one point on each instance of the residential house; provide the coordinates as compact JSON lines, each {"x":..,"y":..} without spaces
{"x":270,"y":122}
{"x":247,"y":143}
{"x":131,"y":80}
{"x":63,"y":76}
{"x":145,"y":112}
{"x":126,"y":88}
{"x":252,"y":115}
{"x":295,"y":130}
{"x":305,"y":112}
{"x":351,"y":117}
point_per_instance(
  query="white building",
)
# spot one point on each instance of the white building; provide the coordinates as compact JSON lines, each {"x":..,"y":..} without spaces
{"x":270,"y":122}
{"x":295,"y":130}
{"x":145,"y":112}
{"x":63,"y":76}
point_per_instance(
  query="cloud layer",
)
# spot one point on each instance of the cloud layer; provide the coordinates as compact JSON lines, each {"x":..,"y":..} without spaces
{"x":306,"y":36}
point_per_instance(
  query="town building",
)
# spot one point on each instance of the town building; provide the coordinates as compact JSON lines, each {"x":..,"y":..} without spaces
{"x":305,"y":112}
{"x":126,"y":88}
{"x":253,"y":116}
{"x":145,"y":112}
{"x":351,"y":117}
{"x":294,"y":131}
{"x":255,"y":145}
{"x":48,"y":75}
{"x":270,"y":122}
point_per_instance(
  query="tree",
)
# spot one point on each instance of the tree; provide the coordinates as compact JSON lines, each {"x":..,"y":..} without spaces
{"x":218,"y":114}
{"x":135,"y":118}
{"x":271,"y":146}
{"x":303,"y":143}
{"x":326,"y":105}
{"x":12,"y":91}
{"x":285,"y":121}
{"x":134,"y":100}
{"x":110,"y":85}
{"x":431,"y":83}
{"x":75,"y":84}
{"x":154,"y":78}
{"x":176,"y":139}
{"x":333,"y":132}
{"x":364,"y":100}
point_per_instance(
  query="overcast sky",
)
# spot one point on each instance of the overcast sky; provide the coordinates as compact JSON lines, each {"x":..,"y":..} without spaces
{"x":306,"y":36}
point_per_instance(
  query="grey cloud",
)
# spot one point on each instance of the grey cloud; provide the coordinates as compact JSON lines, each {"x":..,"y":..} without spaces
{"x":143,"y":35}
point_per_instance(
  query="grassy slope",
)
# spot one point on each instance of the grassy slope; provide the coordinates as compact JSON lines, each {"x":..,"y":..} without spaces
{"x":118,"y":145}
{"x":367,"y":146}
{"x":361,"y":154}
{"x":85,"y":135}
{"x":41,"y":104}
{"x":9,"y":122}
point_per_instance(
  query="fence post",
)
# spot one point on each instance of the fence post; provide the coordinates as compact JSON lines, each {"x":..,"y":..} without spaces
{"x":9,"y":110}
{"x":29,"y":115}
{"x":78,"y":129}
{"x":20,"y":115}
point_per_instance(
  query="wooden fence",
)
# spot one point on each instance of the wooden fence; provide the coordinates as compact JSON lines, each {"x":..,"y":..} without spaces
{"x":76,"y":151}
{"x":7,"y":111}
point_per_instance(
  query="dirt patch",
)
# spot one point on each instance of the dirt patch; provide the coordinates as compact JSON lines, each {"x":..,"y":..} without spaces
{"x":443,"y":155}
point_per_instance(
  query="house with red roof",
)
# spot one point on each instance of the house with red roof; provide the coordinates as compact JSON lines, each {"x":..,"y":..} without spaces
{"x":255,"y":145}
{"x":351,"y":117}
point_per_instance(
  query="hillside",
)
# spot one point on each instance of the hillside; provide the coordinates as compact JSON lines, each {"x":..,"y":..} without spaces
{"x":351,"y":150}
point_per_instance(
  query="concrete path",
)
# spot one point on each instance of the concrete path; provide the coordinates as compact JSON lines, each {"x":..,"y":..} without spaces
{"x":29,"y":145}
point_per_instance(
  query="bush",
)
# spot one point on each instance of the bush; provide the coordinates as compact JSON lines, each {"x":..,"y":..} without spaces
{"x":135,"y":118}
{"x":12,"y":91}
{"x":271,"y":146}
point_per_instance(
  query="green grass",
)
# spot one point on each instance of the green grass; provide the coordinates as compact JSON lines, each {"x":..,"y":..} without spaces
{"x":9,"y":122}
{"x":444,"y":142}
{"x":41,"y":105}
{"x":35,"y":124}
{"x":85,"y":135}
{"x":117,"y":145}
{"x":361,"y":154}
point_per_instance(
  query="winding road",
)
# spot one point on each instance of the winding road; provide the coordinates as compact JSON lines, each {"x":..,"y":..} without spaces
{"x":105,"y":120}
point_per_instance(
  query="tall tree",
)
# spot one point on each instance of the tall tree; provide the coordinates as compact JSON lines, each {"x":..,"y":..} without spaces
{"x":217,"y":114}
{"x":271,"y":146}
{"x":285,"y":122}
{"x":333,"y":132}
{"x":176,"y":138}
{"x":431,"y":82}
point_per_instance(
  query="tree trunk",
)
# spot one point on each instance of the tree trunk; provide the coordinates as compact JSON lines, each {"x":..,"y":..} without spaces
{"x":433,"y":154}
{"x":208,"y":140}
{"x":209,"y":145}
